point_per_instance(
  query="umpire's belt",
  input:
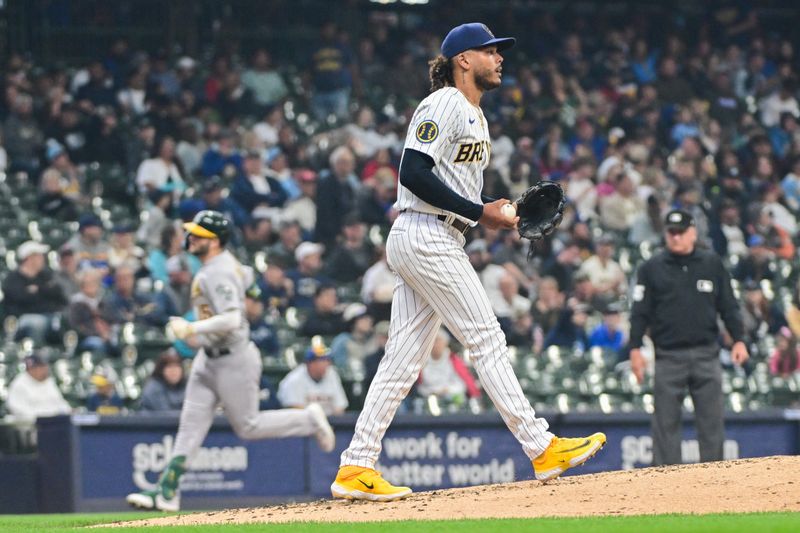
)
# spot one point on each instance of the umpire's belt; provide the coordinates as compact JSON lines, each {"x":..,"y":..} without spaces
{"x":215,"y":353}
{"x":451,"y":220}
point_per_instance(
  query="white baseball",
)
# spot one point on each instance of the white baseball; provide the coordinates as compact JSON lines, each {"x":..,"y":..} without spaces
{"x":509,"y":211}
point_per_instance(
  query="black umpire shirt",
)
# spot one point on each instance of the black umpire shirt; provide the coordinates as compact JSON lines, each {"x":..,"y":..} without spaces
{"x":679,"y":297}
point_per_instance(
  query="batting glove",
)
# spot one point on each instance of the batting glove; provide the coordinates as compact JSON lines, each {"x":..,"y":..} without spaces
{"x":179,"y":328}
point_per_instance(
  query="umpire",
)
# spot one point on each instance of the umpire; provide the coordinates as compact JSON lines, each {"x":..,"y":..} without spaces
{"x":677,"y":295}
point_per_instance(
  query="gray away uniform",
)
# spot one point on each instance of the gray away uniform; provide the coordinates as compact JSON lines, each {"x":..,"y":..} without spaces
{"x":227,"y":369}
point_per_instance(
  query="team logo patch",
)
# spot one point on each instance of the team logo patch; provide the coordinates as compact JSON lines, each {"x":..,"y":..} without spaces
{"x":705,"y":285}
{"x":427,"y":131}
{"x":225,"y":292}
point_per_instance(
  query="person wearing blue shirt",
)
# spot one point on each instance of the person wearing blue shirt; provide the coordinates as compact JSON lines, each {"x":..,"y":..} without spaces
{"x":608,"y":334}
{"x":252,"y":187}
{"x":104,"y":400}
{"x":306,"y":277}
{"x":222,"y":158}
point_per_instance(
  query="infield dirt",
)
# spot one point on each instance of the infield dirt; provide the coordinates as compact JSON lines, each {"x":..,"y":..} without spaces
{"x":746,"y":485}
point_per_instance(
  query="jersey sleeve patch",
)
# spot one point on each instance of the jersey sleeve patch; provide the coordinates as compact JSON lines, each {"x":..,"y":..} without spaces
{"x":427,"y":131}
{"x":225,"y":292}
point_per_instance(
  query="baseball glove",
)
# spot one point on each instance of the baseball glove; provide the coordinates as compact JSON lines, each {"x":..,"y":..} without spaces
{"x":540,"y":210}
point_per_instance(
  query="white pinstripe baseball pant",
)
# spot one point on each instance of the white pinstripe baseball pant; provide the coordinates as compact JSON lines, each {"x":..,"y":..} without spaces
{"x":436,"y":284}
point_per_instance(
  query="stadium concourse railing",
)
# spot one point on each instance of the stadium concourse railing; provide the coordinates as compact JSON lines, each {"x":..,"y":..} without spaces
{"x":89,"y":463}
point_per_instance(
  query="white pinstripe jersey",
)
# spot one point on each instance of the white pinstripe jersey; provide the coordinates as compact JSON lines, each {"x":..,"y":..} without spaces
{"x":454,"y":133}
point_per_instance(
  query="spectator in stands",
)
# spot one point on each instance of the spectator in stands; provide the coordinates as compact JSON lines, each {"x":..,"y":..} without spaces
{"x":22,"y":136}
{"x":771,"y":197}
{"x":547,"y":306}
{"x":98,"y":90}
{"x":170,"y":245}
{"x":34,"y":393}
{"x":259,"y":233}
{"x":131,"y":98}
{"x":727,"y":234}
{"x":325,"y":317}
{"x":276,"y":289}
{"x":67,"y":273}
{"x":189,"y":148}
{"x":760,"y":316}
{"x":570,"y":329}
{"x":377,"y":286}
{"x":609,"y":333}
{"x":32,"y":293}
{"x":316,"y":381}
{"x":235,"y":100}
{"x":71,"y":177}
{"x":563,"y":265}
{"x":252,"y":187}
{"x":263,"y":81}
{"x":376,"y":202}
{"x":352,"y":255}
{"x":162,"y":170}
{"x":371,"y":361}
{"x":333,"y":72}
{"x":618,"y":210}
{"x":51,"y":200}
{"x":278,"y":166}
{"x":157,"y":219}
{"x":303,"y":209}
{"x":488,"y":273}
{"x":84,"y":313}
{"x":213,"y":198}
{"x":779,"y":102}
{"x":648,"y":225}
{"x":285,"y":250}
{"x":166,"y":387}
{"x":671,"y":86}
{"x":775,"y":239}
{"x":104,"y":400}
{"x":162,"y":78}
{"x":126,"y":304}
{"x":580,"y":189}
{"x":91,"y":249}
{"x":105,"y":143}
{"x":339,"y":186}
{"x":380,"y":163}
{"x":124,"y":250}
{"x":307,"y":278}
{"x":791,"y":185}
{"x":607,"y":277}
{"x":222,"y":158}
{"x":262,"y":333}
{"x":446,"y":376}
{"x":513,"y":305}
{"x":357,"y":342}
{"x":177,"y":290}
{"x":785,"y":359}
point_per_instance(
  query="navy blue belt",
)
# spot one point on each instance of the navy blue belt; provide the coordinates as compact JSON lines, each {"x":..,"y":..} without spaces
{"x":459,"y":225}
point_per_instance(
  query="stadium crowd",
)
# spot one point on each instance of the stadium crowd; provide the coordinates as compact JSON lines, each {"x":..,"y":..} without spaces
{"x":632,"y":121}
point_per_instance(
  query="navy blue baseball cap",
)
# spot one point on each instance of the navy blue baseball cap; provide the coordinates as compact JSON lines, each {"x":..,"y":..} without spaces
{"x":472,"y":35}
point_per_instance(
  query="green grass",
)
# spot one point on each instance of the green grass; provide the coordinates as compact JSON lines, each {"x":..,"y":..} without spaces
{"x":756,"y":522}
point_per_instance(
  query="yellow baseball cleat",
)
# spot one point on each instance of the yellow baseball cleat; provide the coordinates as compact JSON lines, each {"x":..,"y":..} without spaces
{"x":563,"y":454}
{"x":359,"y":483}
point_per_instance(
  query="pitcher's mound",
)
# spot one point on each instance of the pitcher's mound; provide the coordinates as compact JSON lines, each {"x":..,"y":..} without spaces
{"x":747,"y":485}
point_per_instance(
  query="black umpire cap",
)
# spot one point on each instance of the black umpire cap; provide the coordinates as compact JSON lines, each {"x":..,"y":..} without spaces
{"x":678,"y":220}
